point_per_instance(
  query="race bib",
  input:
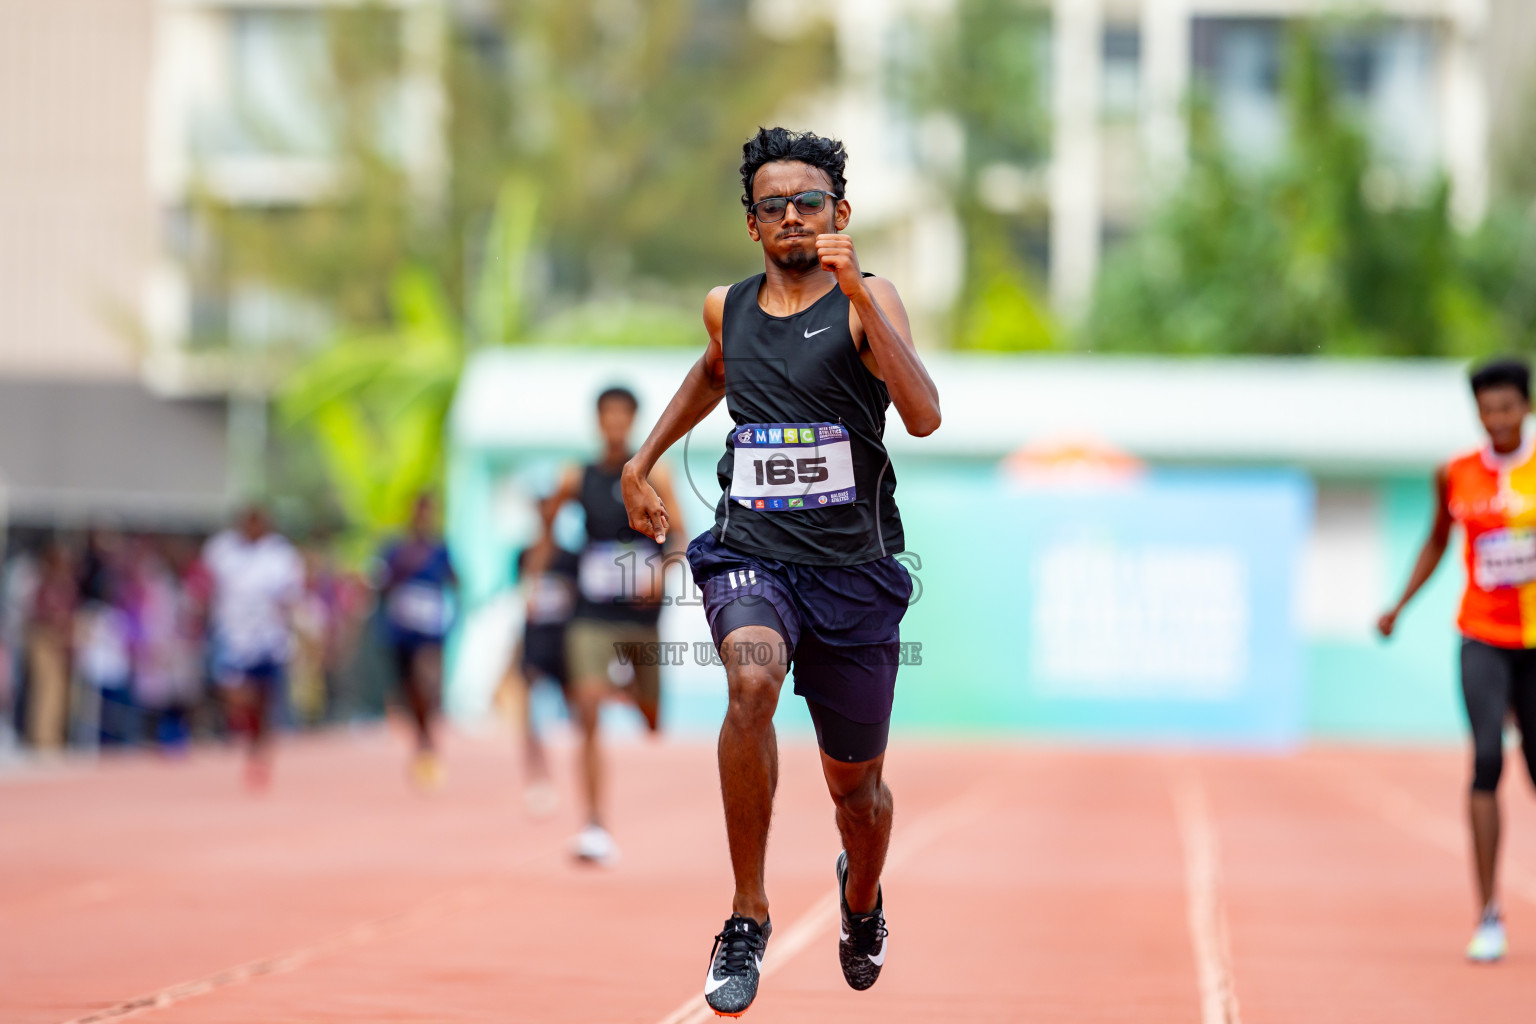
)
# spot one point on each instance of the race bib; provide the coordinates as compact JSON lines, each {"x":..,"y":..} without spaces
{"x":550,"y":599}
{"x":1504,"y":558}
{"x":420,"y":608}
{"x":609,"y":569}
{"x":789,"y":467}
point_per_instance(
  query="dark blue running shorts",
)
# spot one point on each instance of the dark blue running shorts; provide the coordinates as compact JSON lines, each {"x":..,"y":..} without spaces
{"x":841,"y":628}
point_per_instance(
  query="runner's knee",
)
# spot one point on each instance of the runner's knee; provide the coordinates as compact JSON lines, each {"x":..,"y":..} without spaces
{"x":859,"y":797}
{"x":754,"y":693}
{"x":586,"y":702}
{"x":1487,"y":766}
{"x":862,"y":800}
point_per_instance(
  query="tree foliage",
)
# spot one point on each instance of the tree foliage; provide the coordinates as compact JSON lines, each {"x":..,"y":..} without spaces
{"x":590,"y":150}
{"x":987,"y":78}
{"x":1322,"y":254}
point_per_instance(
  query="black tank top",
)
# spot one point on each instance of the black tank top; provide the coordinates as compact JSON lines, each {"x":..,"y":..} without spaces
{"x":614,"y":564}
{"x":805,"y":369}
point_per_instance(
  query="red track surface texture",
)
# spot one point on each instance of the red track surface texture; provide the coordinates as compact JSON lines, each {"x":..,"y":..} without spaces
{"x":1026,"y":884}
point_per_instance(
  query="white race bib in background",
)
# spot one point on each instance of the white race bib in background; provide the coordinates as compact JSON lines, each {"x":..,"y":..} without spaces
{"x":1504,"y":558}
{"x":608,"y":571}
{"x":420,"y":608}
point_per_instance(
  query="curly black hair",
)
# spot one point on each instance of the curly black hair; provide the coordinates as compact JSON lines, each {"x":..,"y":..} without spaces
{"x":1512,"y":372}
{"x":770,"y":144}
{"x":619,"y":393}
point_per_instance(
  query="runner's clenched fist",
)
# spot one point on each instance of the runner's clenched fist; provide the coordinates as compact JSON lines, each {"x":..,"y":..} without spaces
{"x":838,"y":258}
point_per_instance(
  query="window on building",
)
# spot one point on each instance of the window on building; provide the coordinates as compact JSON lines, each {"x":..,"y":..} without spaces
{"x":1384,"y":72}
{"x":1120,"y":88}
{"x":275,"y":88}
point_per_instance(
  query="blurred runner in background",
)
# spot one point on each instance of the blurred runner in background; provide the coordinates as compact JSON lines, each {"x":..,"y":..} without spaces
{"x":612,"y":641}
{"x":257,"y":578}
{"x":546,"y":575}
{"x":1491,"y":493}
{"x":417,"y":594}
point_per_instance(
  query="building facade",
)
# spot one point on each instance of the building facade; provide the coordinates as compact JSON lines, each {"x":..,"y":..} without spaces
{"x":1438,"y":85}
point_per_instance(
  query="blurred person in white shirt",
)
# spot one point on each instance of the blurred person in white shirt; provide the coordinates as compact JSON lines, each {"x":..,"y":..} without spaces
{"x":168,"y":657}
{"x":258,"y":578}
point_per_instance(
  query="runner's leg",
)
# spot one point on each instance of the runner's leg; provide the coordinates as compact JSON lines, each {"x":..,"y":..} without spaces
{"x":645,"y":690}
{"x":261,"y":698}
{"x":864,"y":814}
{"x":1485,"y":683}
{"x":749,"y":757}
{"x":586,"y":706}
{"x":535,"y":763}
{"x":422,"y":690}
{"x":853,"y":761}
{"x":1523,"y":702}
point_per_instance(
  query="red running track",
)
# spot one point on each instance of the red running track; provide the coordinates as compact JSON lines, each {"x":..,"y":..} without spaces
{"x":1027,"y":884}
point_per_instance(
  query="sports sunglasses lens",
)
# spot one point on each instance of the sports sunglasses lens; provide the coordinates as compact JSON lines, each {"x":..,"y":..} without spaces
{"x":771,"y":210}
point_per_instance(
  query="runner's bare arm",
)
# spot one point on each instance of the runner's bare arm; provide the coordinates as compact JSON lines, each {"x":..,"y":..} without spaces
{"x":1429,"y":555}
{"x":542,"y":553}
{"x":883,"y":329}
{"x":700,"y":392}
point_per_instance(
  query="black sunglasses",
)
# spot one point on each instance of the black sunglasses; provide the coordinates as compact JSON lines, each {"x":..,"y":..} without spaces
{"x":772,"y":210}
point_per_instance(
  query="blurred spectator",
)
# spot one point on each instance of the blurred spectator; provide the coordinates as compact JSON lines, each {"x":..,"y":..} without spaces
{"x":103,"y":710}
{"x":134,"y":638}
{"x":168,"y":653}
{"x":314,"y":630}
{"x":50,"y":629}
{"x":18,"y":584}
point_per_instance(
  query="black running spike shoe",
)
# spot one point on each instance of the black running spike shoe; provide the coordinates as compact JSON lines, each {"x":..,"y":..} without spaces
{"x":735,"y":965}
{"x":861,"y":943}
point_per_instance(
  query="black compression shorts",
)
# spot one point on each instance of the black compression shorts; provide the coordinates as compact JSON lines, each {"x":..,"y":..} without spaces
{"x":1495,"y":681}
{"x":839,"y":630}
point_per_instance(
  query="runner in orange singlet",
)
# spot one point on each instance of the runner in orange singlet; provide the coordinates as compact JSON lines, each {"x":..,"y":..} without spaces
{"x":1491,"y":493}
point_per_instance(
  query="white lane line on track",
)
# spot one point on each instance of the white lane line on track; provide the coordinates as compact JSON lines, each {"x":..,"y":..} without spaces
{"x":1207,"y":917}
{"x":824,"y":911}
{"x":1401,"y":808}
{"x":292,"y":960}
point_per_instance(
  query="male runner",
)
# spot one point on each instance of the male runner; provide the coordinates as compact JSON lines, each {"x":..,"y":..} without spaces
{"x":611,"y":641}
{"x":1491,"y":492}
{"x":546,"y":575}
{"x":257,"y":577}
{"x":799,"y":565}
{"x":416,"y":593}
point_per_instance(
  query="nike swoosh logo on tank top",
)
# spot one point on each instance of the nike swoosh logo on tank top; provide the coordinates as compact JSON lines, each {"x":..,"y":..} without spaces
{"x":812,"y":334}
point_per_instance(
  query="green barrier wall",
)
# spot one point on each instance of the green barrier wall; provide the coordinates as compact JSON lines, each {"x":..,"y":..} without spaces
{"x":1360,"y":689}
{"x":1406,"y":688}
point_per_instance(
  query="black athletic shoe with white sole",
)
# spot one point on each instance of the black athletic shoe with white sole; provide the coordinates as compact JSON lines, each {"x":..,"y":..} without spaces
{"x":735,"y":965}
{"x":861,"y":942}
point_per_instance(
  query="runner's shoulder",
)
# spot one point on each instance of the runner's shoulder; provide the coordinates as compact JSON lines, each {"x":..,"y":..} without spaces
{"x":714,"y":303}
{"x":882,"y":291}
{"x":1457,"y":462}
{"x":714,"y":316}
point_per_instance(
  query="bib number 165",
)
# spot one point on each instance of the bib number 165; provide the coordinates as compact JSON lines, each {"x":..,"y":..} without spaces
{"x":779,"y":470}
